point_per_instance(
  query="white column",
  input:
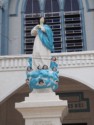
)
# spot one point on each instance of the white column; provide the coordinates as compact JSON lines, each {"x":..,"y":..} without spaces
{"x":42,"y":108}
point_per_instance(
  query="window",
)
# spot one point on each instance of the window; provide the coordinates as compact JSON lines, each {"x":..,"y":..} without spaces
{"x":51,"y":6}
{"x":32,"y":15}
{"x":32,"y":6}
{"x":71,"y":5}
{"x":53,"y":19}
{"x":66,"y":25}
{"x":73,"y":26}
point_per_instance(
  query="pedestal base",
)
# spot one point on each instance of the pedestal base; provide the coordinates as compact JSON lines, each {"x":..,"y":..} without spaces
{"x":42,"y":107}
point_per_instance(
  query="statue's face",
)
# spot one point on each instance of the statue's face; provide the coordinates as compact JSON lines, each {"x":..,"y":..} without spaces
{"x":42,"y":20}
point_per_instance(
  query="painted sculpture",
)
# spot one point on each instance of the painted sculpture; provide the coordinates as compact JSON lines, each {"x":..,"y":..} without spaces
{"x":42,"y":69}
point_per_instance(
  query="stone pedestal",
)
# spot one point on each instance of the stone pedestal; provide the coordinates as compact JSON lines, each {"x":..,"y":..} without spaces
{"x":42,"y":107}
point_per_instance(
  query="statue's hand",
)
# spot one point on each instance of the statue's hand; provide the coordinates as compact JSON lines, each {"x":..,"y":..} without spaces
{"x":39,"y":26}
{"x":42,"y":28}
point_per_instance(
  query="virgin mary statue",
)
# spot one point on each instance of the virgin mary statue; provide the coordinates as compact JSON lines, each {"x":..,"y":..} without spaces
{"x":43,"y":45}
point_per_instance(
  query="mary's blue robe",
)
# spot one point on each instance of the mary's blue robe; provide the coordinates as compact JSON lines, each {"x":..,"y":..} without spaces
{"x":46,"y":37}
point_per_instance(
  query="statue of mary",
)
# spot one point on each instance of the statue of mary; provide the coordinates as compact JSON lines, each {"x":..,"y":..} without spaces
{"x":44,"y":73}
{"x":43,"y":45}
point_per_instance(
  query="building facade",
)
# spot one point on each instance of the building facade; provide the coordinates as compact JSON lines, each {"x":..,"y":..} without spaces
{"x":72,"y":22}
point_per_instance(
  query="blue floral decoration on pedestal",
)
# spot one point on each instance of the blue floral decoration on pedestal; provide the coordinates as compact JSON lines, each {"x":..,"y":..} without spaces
{"x":43,"y":78}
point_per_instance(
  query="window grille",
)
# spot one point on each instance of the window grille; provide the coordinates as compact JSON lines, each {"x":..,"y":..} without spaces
{"x":30,"y":21}
{"x":73,"y":27}
{"x":54,"y":21}
{"x":71,"y":40}
{"x":31,"y":18}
